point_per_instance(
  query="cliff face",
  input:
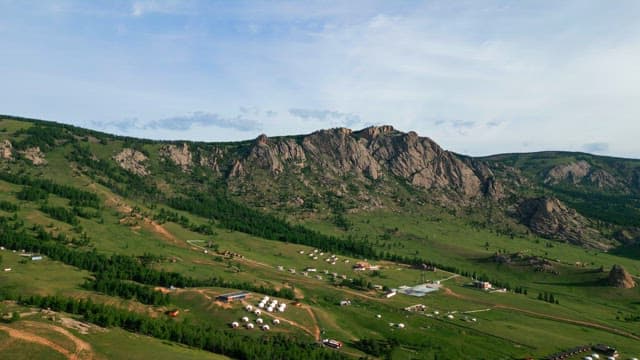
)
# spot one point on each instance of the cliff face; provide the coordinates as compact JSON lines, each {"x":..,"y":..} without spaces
{"x":179,"y":155}
{"x":425,"y":164}
{"x":375,"y":153}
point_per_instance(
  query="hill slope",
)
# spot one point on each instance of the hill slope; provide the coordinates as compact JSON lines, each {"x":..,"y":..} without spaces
{"x":142,"y":227}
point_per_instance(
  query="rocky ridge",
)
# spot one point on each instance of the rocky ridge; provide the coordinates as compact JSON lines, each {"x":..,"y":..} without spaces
{"x":373,"y":154}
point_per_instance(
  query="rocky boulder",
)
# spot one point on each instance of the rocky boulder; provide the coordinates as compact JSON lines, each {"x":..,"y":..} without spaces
{"x":620,"y":278}
{"x":6,"y":150}
{"x":549,"y":217}
{"x":132,"y":161}
{"x":35,"y":155}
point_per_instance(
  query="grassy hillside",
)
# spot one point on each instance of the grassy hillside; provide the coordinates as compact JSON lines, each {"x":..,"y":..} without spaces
{"x":91,"y":220}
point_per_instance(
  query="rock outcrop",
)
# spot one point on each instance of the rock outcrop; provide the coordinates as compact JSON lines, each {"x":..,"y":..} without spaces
{"x":424,"y":163}
{"x":179,"y":155}
{"x":549,"y":217}
{"x":337,"y":152}
{"x":35,"y":155}
{"x":581,"y":172}
{"x":270,"y":155}
{"x":573,"y":172}
{"x":6,"y":150}
{"x":603,"y":179}
{"x":211,"y":159}
{"x":620,"y":278}
{"x":132,"y":161}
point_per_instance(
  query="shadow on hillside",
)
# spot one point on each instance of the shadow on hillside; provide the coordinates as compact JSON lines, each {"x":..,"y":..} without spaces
{"x":594,"y":283}
{"x":629,"y":252}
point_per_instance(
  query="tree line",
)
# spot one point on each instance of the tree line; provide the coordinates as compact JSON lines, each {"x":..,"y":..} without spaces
{"x":8,"y":206}
{"x":123,"y":267}
{"x":238,"y":217}
{"x":167,"y":215}
{"x":126,"y":290}
{"x":39,"y":187}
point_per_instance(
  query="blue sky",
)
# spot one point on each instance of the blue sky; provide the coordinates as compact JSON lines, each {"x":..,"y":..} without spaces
{"x":479,"y":77}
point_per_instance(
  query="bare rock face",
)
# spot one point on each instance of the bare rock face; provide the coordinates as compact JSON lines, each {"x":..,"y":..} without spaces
{"x":369,"y":154}
{"x":603,"y":179}
{"x":494,"y":189}
{"x":573,"y":172}
{"x":179,"y":155}
{"x":620,"y":278}
{"x":549,"y":217}
{"x":337,"y":152}
{"x":270,"y":155}
{"x":35,"y":155}
{"x":425,"y":164}
{"x":6,"y":150}
{"x":290,"y":150}
{"x":132,"y":161}
{"x":212,"y":159}
{"x":237,"y":169}
{"x":373,"y":132}
{"x":264,"y":156}
{"x":581,"y":172}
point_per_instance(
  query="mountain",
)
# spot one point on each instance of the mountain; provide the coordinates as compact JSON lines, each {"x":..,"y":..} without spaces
{"x":118,"y":247}
{"x":578,"y":198}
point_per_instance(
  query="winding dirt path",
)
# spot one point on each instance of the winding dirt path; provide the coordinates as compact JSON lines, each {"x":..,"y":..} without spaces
{"x":32,"y":338}
{"x":82,"y":348}
{"x":162,"y":231}
{"x":316,"y":328}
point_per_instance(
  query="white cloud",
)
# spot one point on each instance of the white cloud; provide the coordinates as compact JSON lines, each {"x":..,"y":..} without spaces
{"x":144,"y":7}
{"x":478,"y":77}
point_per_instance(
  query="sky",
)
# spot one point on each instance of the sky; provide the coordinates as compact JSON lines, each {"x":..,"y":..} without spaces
{"x":478,"y":77}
